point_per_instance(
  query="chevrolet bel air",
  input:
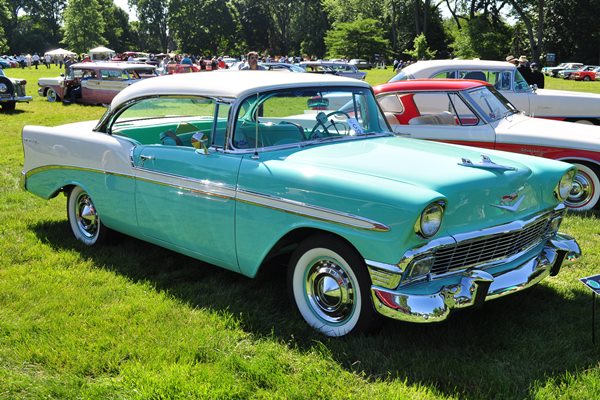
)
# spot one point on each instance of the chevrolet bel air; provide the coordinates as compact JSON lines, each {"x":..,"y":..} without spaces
{"x":236,"y":168}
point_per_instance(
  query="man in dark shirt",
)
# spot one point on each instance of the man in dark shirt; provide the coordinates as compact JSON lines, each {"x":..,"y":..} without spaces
{"x":537,"y":78}
{"x":523,"y":68}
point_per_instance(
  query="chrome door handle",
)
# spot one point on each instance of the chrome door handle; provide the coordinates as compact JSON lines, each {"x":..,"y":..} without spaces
{"x":146,"y":158}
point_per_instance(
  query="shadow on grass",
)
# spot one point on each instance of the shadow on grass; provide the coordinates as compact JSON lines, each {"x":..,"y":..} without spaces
{"x":12,"y":112}
{"x":503,"y":350}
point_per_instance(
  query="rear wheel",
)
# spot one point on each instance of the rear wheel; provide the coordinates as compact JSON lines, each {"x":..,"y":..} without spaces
{"x":585,"y":191}
{"x":329,"y":283}
{"x":586,"y":78}
{"x":84,"y":219}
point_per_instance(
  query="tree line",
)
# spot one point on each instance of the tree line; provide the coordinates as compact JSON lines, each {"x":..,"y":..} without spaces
{"x":488,"y":29}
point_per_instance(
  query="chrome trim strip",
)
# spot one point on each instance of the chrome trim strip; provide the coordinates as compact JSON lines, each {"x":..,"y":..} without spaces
{"x":221,"y":190}
{"x":204,"y":186}
{"x":307,"y":210}
{"x":37,"y":170}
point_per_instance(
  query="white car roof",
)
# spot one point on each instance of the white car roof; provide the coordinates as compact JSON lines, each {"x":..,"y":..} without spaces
{"x":111,"y":65}
{"x":432,"y":66}
{"x":232,"y":84}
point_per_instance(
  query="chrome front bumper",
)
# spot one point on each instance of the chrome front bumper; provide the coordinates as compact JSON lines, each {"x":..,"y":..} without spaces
{"x":16,"y":98}
{"x":474,"y":285}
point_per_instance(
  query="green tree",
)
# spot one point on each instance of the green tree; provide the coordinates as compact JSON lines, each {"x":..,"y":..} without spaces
{"x":421,"y":50}
{"x":84,"y":25}
{"x":201,"y":26}
{"x":3,"y":22}
{"x":479,"y":37}
{"x":153,"y":16}
{"x":358,"y":39}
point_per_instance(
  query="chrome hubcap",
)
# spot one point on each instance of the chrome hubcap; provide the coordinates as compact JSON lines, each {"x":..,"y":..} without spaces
{"x":51,"y":95}
{"x":582,"y":190}
{"x":330,"y":291}
{"x":87,"y":218}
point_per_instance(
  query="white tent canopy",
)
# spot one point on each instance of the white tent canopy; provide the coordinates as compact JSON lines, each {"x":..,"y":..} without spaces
{"x":101,"y":50}
{"x":60,"y":52}
{"x":101,"y":53}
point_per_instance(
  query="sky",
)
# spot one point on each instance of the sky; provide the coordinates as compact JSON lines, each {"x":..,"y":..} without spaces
{"x":124,"y":6}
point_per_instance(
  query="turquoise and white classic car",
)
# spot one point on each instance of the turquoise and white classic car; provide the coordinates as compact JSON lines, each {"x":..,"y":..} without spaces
{"x":235,"y":168}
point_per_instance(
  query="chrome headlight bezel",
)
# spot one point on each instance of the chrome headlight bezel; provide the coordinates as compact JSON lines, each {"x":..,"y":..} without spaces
{"x":564,"y":185}
{"x":3,"y":88}
{"x":430,"y":219}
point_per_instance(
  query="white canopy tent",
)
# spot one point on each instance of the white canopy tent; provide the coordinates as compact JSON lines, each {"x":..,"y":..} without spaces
{"x":59,"y":53}
{"x":101,"y":53}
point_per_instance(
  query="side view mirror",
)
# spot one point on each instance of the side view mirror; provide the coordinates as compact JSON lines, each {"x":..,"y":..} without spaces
{"x":534,"y":87}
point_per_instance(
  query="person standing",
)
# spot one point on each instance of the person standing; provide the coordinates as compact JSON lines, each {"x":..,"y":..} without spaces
{"x":47,"y":60}
{"x":537,"y":78}
{"x":36,"y":60}
{"x":523,"y":68}
{"x":252,"y":62}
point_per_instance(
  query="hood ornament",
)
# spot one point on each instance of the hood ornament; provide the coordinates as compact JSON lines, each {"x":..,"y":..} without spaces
{"x":485,"y":163}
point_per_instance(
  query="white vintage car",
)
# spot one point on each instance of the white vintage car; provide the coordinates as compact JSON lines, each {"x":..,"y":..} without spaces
{"x":239,"y":168}
{"x":473,"y":113}
{"x":543,"y":103}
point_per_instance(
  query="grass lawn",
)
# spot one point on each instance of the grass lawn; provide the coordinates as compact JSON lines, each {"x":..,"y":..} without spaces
{"x":132,"y":320}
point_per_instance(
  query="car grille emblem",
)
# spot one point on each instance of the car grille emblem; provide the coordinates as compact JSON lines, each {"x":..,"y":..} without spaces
{"x":507,"y":199}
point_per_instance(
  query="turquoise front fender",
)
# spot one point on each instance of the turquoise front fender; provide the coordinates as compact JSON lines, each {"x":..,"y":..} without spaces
{"x":376,"y":215}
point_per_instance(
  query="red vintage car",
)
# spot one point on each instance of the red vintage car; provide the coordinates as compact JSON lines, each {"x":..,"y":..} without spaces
{"x":474,"y":113}
{"x":585,"y":75}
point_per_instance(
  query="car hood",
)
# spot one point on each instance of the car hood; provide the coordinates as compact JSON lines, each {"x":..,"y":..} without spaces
{"x":520,"y":129}
{"x":51,"y":81}
{"x":425,"y":171}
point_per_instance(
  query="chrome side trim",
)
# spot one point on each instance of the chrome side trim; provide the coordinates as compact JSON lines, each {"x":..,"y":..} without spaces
{"x":307,"y":210}
{"x":224,"y":191}
{"x":37,"y":170}
{"x":205,"y":186}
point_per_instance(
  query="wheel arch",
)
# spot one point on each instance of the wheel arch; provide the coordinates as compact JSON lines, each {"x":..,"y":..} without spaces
{"x":286,"y":245}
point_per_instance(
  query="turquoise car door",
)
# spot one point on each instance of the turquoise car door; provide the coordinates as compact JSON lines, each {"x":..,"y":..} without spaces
{"x":187,"y":198}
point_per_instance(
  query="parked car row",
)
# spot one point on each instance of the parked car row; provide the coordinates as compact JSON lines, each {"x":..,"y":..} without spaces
{"x":371,"y":224}
{"x":543,"y":103}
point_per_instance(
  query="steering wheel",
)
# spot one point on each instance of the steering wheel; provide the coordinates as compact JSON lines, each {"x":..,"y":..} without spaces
{"x":323,"y":120}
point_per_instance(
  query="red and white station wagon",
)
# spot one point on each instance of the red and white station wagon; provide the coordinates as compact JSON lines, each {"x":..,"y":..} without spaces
{"x":474,"y":113}
{"x":94,"y":82}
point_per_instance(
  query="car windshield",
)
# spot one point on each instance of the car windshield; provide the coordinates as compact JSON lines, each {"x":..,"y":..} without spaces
{"x":308,"y":115}
{"x":521,"y":84}
{"x":491,"y":104}
{"x":401,"y":76}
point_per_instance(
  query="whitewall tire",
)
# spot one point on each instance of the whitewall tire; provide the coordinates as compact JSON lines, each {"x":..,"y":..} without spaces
{"x":84,"y":219}
{"x":51,"y":95}
{"x":585,"y":191}
{"x":330,"y":286}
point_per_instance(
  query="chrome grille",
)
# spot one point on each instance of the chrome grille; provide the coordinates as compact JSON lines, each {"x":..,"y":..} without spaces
{"x":489,"y":248}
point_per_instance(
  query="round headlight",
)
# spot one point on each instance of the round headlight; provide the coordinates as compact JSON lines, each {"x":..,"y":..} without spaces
{"x":563,"y":189}
{"x":430,"y":220}
{"x":3,"y":88}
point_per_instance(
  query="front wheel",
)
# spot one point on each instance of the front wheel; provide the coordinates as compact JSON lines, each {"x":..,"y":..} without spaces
{"x":329,"y":283}
{"x":84,"y":219}
{"x":51,"y":95}
{"x":585,"y":191}
{"x":586,"y":78}
{"x":9,"y":106}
